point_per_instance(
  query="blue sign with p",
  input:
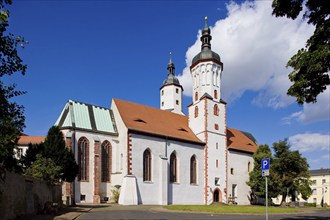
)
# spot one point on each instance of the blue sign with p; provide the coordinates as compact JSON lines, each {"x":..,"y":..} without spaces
{"x":265,"y":164}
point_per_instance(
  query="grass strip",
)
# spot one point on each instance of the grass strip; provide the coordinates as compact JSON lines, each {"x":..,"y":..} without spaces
{"x":232,"y":209}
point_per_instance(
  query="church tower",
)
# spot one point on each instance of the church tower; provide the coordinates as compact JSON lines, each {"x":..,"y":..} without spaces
{"x":171,"y":91}
{"x":207,"y":118}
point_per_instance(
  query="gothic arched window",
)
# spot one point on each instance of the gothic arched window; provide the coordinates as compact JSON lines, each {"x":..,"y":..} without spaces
{"x":105,"y":161}
{"x":193,"y":170}
{"x":147,"y":165}
{"x":83,"y":159}
{"x":173,"y":168}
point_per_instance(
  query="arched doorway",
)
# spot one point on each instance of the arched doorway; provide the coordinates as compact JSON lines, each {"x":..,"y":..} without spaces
{"x":217,"y":196}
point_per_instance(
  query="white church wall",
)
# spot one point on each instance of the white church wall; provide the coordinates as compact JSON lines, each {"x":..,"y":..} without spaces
{"x":183,"y":192}
{"x":239,"y":165}
{"x":120,"y":164}
{"x":87,"y":187}
{"x":148,"y":191}
{"x":178,"y":193}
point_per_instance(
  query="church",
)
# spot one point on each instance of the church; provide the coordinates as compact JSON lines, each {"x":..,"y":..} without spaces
{"x":161,"y":156}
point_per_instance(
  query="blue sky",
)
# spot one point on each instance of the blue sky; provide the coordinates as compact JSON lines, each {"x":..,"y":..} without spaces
{"x":93,"y":51}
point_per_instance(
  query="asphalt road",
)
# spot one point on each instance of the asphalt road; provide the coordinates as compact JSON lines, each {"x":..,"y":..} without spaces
{"x":141,"y":212}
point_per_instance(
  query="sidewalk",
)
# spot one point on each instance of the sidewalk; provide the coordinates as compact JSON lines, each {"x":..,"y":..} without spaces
{"x":67,"y":213}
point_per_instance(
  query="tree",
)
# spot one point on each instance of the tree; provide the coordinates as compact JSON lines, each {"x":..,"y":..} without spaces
{"x":31,"y":154}
{"x":257,"y":181}
{"x":311,"y":65}
{"x":292,"y":170}
{"x":288,"y":170}
{"x":52,"y":151}
{"x":54,"y":148}
{"x":44,"y":168}
{"x":11,"y":114}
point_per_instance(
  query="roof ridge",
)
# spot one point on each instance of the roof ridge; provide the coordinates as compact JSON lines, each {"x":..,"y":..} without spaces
{"x":151,"y":107}
{"x":84,"y":103}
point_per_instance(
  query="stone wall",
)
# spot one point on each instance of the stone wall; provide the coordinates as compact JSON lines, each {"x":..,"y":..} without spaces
{"x":22,"y":195}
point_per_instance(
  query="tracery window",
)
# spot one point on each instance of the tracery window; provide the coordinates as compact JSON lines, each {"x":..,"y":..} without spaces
{"x":83,"y":159}
{"x":105,"y":161}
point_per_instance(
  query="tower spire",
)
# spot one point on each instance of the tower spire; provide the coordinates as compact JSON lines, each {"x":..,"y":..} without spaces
{"x":206,"y":36}
{"x":170,"y":67}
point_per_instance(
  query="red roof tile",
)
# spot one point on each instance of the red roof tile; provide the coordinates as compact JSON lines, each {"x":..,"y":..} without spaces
{"x":237,"y":140}
{"x":155,"y":121}
{"x":25,"y":140}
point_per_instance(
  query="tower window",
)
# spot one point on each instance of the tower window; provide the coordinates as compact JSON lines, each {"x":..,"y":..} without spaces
{"x":249,"y":166}
{"x":215,"y":94}
{"x":177,"y":90}
{"x":216,"y":110}
{"x":177,"y":102}
{"x":162,"y":103}
{"x":216,"y":126}
{"x":216,"y":146}
{"x":216,"y":163}
{"x":232,"y":171}
{"x":162,"y":92}
{"x":196,"y":96}
{"x":196,"y":111}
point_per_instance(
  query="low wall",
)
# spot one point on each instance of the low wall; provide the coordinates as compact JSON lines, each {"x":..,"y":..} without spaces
{"x":22,"y":195}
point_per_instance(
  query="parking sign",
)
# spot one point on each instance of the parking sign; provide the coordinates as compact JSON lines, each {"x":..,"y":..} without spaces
{"x":265,"y":165}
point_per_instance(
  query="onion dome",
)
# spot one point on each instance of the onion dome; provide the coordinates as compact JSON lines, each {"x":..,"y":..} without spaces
{"x":171,"y":79}
{"x":206,"y":52}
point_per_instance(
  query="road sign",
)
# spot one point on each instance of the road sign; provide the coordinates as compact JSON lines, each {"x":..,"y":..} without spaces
{"x":265,"y":173}
{"x":265,"y":164}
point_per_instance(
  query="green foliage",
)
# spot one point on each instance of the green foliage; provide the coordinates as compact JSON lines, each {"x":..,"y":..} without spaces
{"x":11,"y":114}
{"x":115,"y":194}
{"x":292,"y":171}
{"x":311,"y":65}
{"x":256,"y":181}
{"x":44,"y":168}
{"x":54,"y":149}
{"x":31,"y":154}
{"x":288,"y":170}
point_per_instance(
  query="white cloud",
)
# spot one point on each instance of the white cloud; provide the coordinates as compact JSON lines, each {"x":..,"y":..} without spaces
{"x":313,"y":112}
{"x":254,"y":47}
{"x":310,"y":142}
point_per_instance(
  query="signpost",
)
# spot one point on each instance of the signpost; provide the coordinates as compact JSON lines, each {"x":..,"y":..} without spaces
{"x":265,"y":165}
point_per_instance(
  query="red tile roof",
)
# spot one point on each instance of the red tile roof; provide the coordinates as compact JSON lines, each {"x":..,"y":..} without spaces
{"x":154,"y":121}
{"x":237,"y":140}
{"x":25,"y":140}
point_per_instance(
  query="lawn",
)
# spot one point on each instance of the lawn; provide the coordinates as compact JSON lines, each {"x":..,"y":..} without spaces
{"x":231,"y":209}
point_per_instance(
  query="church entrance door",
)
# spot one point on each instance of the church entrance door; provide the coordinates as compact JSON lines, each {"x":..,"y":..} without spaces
{"x":217,"y":195}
